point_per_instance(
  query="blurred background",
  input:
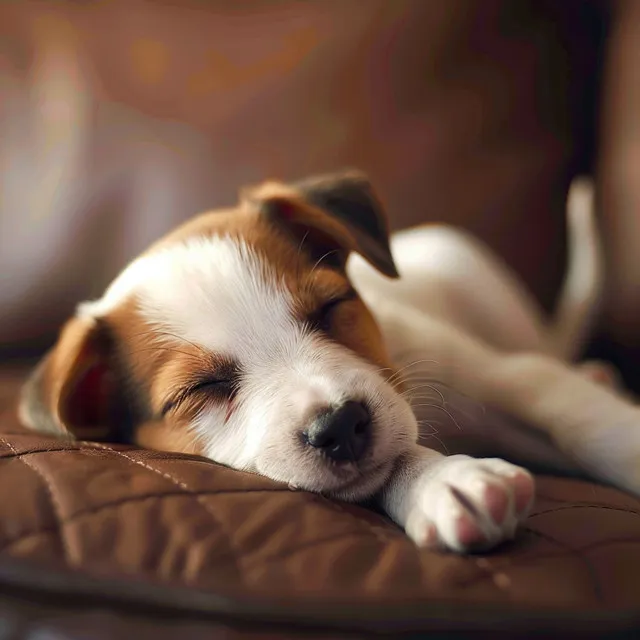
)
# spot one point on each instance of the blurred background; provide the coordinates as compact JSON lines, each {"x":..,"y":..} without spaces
{"x":120,"y":118}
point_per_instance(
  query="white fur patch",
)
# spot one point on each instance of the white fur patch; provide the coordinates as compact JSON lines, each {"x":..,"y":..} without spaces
{"x":211,"y":291}
{"x":218,"y":293}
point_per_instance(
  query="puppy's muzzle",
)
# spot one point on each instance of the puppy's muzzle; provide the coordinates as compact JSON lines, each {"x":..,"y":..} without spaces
{"x":342,"y":434}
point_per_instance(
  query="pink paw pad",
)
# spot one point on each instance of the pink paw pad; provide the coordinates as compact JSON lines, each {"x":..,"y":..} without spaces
{"x":468,"y":532}
{"x":523,"y":491}
{"x":430,"y":538}
{"x":496,"y":502}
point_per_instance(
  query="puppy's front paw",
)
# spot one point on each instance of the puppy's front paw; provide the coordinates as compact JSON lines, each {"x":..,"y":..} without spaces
{"x":467,"y":504}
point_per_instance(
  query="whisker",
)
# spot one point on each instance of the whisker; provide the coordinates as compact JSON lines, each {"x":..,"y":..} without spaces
{"x":426,"y":386}
{"x":422,"y":396}
{"x":439,"y":408}
{"x":400,"y":371}
{"x":435,"y":437}
{"x":319,"y":260}
{"x":299,"y":254}
{"x":407,"y":354}
{"x":431,"y":424}
{"x":444,"y":385}
{"x":182,"y":339}
{"x":155,"y":334}
{"x":418,"y":376}
{"x":381,"y":370}
{"x":423,"y":393}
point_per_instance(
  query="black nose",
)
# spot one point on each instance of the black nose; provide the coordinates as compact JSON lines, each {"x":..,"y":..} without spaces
{"x":343,"y":433}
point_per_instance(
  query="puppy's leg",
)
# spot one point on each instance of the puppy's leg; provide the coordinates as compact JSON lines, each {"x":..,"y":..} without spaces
{"x":457,"y":502}
{"x":467,"y":503}
{"x":590,"y":423}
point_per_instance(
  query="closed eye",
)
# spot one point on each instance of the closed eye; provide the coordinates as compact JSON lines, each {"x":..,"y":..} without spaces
{"x":218,"y":388}
{"x":219,"y":385}
{"x":321,"y":318}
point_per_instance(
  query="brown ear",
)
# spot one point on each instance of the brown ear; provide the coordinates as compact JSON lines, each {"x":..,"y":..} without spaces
{"x":337,"y":210}
{"x":73,"y":390}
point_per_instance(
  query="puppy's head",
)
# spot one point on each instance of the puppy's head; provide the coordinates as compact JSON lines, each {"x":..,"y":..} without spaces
{"x":240,"y":338}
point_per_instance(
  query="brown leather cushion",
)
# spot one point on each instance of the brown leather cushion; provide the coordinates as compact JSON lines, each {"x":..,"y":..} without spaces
{"x":173,"y":521}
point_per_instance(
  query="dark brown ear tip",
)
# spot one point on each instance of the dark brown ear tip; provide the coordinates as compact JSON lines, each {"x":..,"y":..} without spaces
{"x":389,"y":269}
{"x":393,"y":272}
{"x":380,"y":257}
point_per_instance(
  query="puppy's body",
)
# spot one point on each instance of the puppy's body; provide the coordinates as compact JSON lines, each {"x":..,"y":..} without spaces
{"x":448,"y":278}
{"x":241,"y":337}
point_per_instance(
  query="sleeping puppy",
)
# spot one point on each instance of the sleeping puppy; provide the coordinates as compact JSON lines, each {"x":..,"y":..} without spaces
{"x":244,"y":336}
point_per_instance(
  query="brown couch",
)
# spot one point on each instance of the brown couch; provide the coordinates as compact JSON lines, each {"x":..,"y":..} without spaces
{"x":99,"y":541}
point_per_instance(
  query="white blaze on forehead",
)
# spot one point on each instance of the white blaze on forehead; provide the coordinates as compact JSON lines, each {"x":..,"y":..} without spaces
{"x":216,"y":292}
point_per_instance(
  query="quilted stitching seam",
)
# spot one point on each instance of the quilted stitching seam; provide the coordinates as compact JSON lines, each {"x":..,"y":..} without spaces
{"x":14,"y":453}
{"x":97,"y":509}
{"x":366,"y":529}
{"x":584,"y":505}
{"x":238,"y":560}
{"x":565,"y":550}
{"x":381,"y":534}
{"x":580,"y":555}
{"x":56,"y":505}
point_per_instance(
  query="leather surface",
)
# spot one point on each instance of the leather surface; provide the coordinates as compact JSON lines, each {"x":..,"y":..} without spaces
{"x":245,"y":545}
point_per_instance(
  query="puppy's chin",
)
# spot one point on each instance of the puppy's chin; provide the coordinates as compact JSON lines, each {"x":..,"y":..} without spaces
{"x":364,"y":486}
{"x":349,"y":482}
